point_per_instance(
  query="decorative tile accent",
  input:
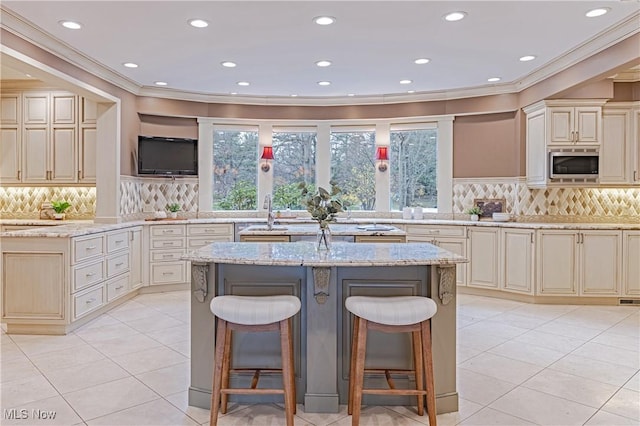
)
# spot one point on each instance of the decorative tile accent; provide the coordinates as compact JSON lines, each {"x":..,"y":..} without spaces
{"x":145,"y":195}
{"x":25,"y":202}
{"x":555,"y":204}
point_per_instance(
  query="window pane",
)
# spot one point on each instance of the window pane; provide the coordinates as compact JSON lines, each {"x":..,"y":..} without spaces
{"x":295,"y":162}
{"x":235,"y":158}
{"x":353,"y":168}
{"x":412,"y":165}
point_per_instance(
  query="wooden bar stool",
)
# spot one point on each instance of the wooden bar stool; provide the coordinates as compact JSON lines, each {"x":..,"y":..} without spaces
{"x":404,"y":314}
{"x":252,"y":314}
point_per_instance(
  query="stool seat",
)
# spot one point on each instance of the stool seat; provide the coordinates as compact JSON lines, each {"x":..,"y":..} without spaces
{"x":399,"y":310}
{"x":258,"y":310}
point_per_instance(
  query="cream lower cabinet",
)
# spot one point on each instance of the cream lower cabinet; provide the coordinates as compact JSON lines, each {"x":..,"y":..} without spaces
{"x":631,"y":263}
{"x":167,"y":245}
{"x":484,"y":257}
{"x":585,"y":263}
{"x":136,"y":256}
{"x":200,"y":235}
{"x":451,"y":238}
{"x":517,"y":250}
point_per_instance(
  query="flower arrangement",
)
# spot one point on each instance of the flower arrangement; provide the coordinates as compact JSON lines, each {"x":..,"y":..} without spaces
{"x":474,"y":210}
{"x":60,"y":206}
{"x":323,"y":205}
{"x":173,"y":207}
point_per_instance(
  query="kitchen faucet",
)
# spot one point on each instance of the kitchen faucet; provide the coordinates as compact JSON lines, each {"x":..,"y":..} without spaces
{"x":269,"y":207}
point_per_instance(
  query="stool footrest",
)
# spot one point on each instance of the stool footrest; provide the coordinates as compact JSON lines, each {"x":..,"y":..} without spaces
{"x":390,"y":370}
{"x":393,"y":392}
{"x":249,"y":391}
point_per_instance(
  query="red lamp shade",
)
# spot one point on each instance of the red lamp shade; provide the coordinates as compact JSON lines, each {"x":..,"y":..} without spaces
{"x":382,"y":153}
{"x":267,"y":153}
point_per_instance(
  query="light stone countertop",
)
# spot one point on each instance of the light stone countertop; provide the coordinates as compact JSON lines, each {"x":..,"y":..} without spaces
{"x":312,"y":229}
{"x":341,"y":254}
{"x":71,"y":228}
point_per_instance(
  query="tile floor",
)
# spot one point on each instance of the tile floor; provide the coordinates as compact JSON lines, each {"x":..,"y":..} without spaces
{"x":518,"y":364}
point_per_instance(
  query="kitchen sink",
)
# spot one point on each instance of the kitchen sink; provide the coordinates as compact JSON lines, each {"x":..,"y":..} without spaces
{"x":375,"y":227}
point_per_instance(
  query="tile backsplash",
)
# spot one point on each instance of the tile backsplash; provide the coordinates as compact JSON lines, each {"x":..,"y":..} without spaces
{"x":140,"y":195}
{"x":25,"y":202}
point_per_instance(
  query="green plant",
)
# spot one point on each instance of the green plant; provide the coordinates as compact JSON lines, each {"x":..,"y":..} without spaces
{"x":60,"y":206}
{"x":474,"y":210}
{"x":173,"y":207}
{"x":322,"y":204}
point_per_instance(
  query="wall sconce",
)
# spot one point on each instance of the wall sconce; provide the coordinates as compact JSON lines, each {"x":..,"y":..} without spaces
{"x":267,"y":156}
{"x":382,"y":155}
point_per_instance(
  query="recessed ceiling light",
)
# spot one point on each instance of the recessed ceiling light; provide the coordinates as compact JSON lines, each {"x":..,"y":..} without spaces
{"x":243,"y":83}
{"x":455,"y":16}
{"x":422,"y":61}
{"x":324,"y":83}
{"x":493,"y":79}
{"x":351,"y":94}
{"x":323,"y":63}
{"x":406,"y":81}
{"x":233,"y":93}
{"x":130,"y":65}
{"x":198,"y":23}
{"x":324,"y":20}
{"x":597,"y":12}
{"x":293,"y":96}
{"x":527,"y":58}
{"x":161,"y":83}
{"x":71,"y":25}
{"x":28,"y":75}
{"x":411,"y":91}
{"x":228,"y":64}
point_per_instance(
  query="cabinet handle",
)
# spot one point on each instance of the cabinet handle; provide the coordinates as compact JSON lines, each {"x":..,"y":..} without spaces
{"x":209,"y":230}
{"x":635,"y":173}
{"x":90,"y":301}
{"x":119,"y":287}
{"x":79,"y":174}
{"x":20,"y":174}
{"x":130,"y":235}
{"x":167,"y":256}
{"x":168,"y":231}
{"x":577,"y":136}
{"x":91,"y":247}
{"x":168,"y":243}
{"x":119,"y":264}
{"x":90,"y":274}
{"x":119,"y":241}
{"x":167,"y":273}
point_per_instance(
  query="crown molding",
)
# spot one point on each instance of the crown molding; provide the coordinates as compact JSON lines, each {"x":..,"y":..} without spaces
{"x":40,"y":38}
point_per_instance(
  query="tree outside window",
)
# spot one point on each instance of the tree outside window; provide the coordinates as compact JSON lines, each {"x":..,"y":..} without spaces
{"x":235,"y":160}
{"x":353,"y":168}
{"x":295,"y":162}
{"x":413,"y":172}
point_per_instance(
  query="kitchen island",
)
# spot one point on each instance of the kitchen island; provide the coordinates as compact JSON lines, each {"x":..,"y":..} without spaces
{"x":322,"y":330}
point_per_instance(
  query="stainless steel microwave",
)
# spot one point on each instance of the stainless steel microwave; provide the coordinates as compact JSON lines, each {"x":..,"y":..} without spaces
{"x":573,"y":165}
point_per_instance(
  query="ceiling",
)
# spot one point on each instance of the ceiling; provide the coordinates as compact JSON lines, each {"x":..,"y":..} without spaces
{"x":372,"y":44}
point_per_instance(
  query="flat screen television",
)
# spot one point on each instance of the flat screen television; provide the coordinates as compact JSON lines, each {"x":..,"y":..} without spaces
{"x":167,"y":156}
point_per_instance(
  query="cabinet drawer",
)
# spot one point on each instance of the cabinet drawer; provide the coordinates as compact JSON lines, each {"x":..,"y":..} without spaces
{"x":204,"y":230}
{"x":195,"y":243}
{"x":177,"y":243}
{"x":166,"y":255}
{"x":87,"y":248}
{"x":117,"y":287}
{"x":85,"y":276}
{"x":88,"y":301}
{"x":117,"y":265}
{"x":437,"y":231}
{"x":168,"y":231}
{"x":117,"y":241}
{"x":168,"y":272}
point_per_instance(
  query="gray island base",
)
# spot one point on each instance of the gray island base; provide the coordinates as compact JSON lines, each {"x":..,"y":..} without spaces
{"x":322,"y":329}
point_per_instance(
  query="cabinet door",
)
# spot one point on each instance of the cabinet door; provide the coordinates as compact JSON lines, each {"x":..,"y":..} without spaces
{"x":636,"y":146}
{"x":135,"y":259}
{"x":10,"y":155}
{"x":483,"y":257}
{"x":556,"y":254}
{"x":87,"y":155}
{"x":36,"y":108}
{"x":630,"y":263}
{"x":63,"y":154}
{"x":613,"y":151}
{"x":536,"y":150}
{"x":517,"y":255}
{"x":89,"y":111}
{"x":457,"y":246}
{"x":587,"y":123}
{"x":10,"y":109}
{"x":35,"y":154}
{"x":561,"y":125}
{"x":601,"y":262}
{"x":63,"y":109}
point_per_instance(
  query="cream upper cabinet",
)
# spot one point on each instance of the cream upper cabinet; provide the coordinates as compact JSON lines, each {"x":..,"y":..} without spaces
{"x":517,"y":260}
{"x":585,"y":263}
{"x":48,"y":137}
{"x":559,"y":125}
{"x":10,"y":137}
{"x":620,"y":149}
{"x":483,"y":252}
{"x":630,"y":263}
{"x":575,"y":125}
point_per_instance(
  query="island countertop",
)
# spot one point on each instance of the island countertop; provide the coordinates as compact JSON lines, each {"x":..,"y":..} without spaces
{"x":341,"y":254}
{"x":336,"y":229}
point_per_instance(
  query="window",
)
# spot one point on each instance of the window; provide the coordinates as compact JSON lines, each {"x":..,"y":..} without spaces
{"x":353,"y":168}
{"x":295,"y":162}
{"x":235,"y":161}
{"x":412,"y":165}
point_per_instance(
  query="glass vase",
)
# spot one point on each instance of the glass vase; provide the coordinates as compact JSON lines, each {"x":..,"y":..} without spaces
{"x":323,"y":239}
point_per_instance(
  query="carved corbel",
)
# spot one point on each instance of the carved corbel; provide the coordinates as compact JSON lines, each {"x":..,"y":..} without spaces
{"x":199,"y":280}
{"x":446,"y":283}
{"x":321,"y":284}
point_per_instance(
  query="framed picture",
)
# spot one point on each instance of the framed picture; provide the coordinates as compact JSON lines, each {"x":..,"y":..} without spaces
{"x":489,"y":206}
